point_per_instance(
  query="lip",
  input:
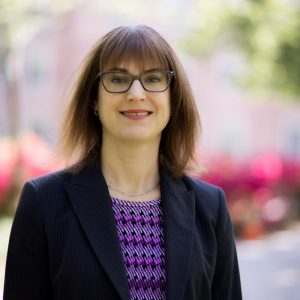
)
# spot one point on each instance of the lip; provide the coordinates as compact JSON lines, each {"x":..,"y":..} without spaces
{"x":136,"y":114}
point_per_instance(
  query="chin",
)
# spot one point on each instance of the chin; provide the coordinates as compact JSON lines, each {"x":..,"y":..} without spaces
{"x":141,"y":137}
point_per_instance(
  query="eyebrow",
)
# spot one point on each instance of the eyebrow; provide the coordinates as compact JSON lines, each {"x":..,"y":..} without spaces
{"x":123,"y":70}
{"x":118,"y":69}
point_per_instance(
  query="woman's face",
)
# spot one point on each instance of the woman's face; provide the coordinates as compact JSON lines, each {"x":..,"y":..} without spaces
{"x":136,"y":115}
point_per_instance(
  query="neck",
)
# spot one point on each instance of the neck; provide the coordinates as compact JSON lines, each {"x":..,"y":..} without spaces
{"x":131,"y":168}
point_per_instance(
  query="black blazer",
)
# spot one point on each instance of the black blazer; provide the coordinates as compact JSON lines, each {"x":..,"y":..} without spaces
{"x":64,"y":243}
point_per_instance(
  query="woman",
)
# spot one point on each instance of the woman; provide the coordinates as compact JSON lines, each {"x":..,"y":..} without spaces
{"x":125,"y":222}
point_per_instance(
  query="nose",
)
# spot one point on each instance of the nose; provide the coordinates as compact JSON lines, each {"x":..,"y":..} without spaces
{"x":136,"y":91}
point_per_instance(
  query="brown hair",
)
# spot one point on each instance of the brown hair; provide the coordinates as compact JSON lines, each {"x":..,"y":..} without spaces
{"x":82,"y":132}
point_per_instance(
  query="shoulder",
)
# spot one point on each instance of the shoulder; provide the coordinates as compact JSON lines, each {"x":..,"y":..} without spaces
{"x":209,"y":199}
{"x":43,"y":196}
{"x":201,"y":187}
{"x":50,"y":181}
{"x":44,"y":189}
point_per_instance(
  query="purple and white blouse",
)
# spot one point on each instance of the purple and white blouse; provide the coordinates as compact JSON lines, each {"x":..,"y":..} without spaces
{"x":140,"y":231}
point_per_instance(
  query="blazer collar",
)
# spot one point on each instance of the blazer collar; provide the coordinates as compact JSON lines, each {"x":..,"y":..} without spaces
{"x":91,"y":202}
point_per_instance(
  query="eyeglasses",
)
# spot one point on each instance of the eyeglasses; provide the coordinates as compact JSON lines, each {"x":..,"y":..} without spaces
{"x":120,"y":82}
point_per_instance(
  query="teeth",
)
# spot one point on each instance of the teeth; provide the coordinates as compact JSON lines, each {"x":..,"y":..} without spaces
{"x":135,"y":114}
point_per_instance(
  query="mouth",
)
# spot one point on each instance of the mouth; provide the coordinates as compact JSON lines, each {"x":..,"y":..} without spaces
{"x":136,"y":113}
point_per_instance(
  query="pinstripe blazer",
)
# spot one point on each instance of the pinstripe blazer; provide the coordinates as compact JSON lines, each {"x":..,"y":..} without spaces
{"x":64,"y":243}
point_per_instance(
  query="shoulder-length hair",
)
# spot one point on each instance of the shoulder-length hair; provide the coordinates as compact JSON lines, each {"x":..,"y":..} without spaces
{"x":81,"y":133}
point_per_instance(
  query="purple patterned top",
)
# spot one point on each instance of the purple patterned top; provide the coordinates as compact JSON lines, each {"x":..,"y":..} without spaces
{"x":140,"y":232}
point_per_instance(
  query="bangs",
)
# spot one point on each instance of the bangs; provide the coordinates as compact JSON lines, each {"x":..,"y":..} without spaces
{"x":141,"y":46}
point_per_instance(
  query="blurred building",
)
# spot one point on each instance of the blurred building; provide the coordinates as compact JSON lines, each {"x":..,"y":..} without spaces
{"x":232,"y":121}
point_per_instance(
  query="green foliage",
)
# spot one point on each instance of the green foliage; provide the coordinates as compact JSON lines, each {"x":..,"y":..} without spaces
{"x":266,"y":32}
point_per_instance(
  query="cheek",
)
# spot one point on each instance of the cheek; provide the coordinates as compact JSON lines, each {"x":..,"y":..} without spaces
{"x":108,"y":110}
{"x":103,"y":113}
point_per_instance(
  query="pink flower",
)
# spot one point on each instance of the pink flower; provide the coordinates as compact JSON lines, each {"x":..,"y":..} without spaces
{"x":8,"y":161}
{"x":36,"y":157}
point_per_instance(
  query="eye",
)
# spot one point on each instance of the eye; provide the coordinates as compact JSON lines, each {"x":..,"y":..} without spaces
{"x":152,"y":77}
{"x":116,"y":78}
{"x":119,"y":80}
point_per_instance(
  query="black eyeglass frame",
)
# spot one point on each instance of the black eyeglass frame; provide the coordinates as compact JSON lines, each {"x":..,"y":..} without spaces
{"x":138,"y":77}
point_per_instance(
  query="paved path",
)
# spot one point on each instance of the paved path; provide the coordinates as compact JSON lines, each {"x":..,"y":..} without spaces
{"x":5,"y":225}
{"x":270,"y":267}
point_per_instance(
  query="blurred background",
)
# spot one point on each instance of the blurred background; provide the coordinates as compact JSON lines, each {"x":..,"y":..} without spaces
{"x":243,"y":61}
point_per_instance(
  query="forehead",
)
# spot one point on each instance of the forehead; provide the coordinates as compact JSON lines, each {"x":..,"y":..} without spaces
{"x":140,"y":59}
{"x":134,"y":66}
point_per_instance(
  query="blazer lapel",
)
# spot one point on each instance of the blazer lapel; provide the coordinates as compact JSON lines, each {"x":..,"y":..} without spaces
{"x":91,"y":202}
{"x":90,"y":199}
{"x":178,"y":213}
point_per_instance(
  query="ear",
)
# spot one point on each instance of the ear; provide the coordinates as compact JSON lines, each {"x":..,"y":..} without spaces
{"x":95,"y":105}
{"x":95,"y":108}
